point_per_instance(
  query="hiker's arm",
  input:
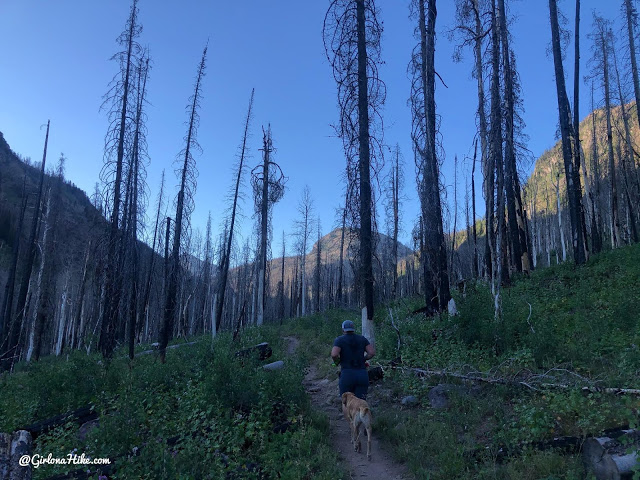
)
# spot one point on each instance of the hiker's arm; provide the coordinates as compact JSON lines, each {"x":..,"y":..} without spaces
{"x":370,"y":352}
{"x":335,"y":354}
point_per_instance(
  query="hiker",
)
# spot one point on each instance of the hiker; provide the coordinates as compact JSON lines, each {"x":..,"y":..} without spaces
{"x":351,"y":351}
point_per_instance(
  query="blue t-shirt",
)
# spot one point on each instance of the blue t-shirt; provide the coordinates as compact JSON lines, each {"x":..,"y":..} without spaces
{"x":352,"y":348}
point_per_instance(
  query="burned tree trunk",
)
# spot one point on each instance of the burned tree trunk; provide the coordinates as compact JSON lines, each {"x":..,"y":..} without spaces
{"x":571,"y":167}
{"x":366,"y":234}
{"x":517,"y":230}
{"x":183,"y":211}
{"x":226,"y":254}
{"x":627,"y":155}
{"x":12,"y":353}
{"x":434,"y":253}
{"x":121,"y":102}
{"x":9,"y":288}
{"x":341,"y":261}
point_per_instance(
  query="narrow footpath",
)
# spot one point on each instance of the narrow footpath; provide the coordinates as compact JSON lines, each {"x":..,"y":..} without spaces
{"x":324,"y":397}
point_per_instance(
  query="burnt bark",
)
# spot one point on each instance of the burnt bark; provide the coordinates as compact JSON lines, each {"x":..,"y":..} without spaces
{"x":171,"y":301}
{"x":12,"y":353}
{"x":226,"y":256}
{"x":570,"y":157}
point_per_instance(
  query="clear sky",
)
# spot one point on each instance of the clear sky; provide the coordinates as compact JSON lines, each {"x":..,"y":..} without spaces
{"x":55,"y":65}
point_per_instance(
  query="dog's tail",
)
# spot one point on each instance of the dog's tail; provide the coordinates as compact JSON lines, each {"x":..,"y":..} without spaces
{"x":365,"y":416}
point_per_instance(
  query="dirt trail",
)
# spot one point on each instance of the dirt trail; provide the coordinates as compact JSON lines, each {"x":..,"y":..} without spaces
{"x":324,"y":397}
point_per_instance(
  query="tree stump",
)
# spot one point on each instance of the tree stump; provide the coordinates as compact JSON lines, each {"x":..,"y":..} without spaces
{"x":20,"y":445}
{"x":375,"y":374}
{"x":262,"y":350}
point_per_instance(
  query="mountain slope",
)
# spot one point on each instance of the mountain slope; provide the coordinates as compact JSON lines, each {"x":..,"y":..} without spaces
{"x":541,"y":184}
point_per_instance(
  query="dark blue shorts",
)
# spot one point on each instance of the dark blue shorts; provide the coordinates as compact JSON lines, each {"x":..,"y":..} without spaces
{"x":355,"y":381}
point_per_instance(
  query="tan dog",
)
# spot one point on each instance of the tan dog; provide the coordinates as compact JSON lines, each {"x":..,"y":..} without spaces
{"x":358,"y":414}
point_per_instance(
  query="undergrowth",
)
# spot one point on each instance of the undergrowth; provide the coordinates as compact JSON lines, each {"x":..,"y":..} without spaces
{"x":580,"y":323}
{"x":206,"y":414}
{"x":203,"y":414}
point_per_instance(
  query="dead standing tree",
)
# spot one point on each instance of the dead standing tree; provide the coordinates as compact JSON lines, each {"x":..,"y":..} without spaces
{"x":352,"y":35}
{"x":570,"y":156}
{"x":228,"y":240}
{"x":119,"y":100}
{"x":631,"y":21}
{"x":11,"y":353}
{"x":626,"y":158}
{"x":516,"y":226}
{"x":184,"y":207}
{"x":303,"y":232}
{"x":268,"y":183}
{"x":396,"y":183}
{"x":423,"y":108}
{"x":470,"y":25}
{"x":47,"y":290}
{"x":602,"y":44}
{"x":495,"y":150}
{"x":137,"y":178}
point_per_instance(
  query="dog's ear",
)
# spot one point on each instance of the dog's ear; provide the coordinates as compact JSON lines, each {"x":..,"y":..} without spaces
{"x":345,"y":397}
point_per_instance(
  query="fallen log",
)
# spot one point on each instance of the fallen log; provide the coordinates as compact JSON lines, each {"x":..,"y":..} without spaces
{"x":262,"y":351}
{"x":279,"y":365}
{"x":566,"y":445}
{"x":155,"y":347}
{"x":608,"y":459}
{"x":531,"y":381}
{"x":79,"y":416}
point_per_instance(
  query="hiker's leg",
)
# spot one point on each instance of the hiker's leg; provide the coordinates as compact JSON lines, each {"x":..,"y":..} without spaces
{"x":347,"y":381}
{"x":361,"y":383}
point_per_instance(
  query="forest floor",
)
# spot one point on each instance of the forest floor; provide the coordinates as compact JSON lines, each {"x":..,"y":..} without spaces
{"x":323,"y":392}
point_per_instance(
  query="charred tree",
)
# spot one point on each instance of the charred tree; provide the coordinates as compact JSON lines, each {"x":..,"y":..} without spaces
{"x":281,"y":306}
{"x":626,"y":157}
{"x":603,"y":37}
{"x":352,"y":42}
{"x":9,"y":288}
{"x":596,"y":221}
{"x":119,"y":98}
{"x":473,"y":209}
{"x":45,"y":305}
{"x":396,"y":183}
{"x":569,"y":155}
{"x":226,"y":254}
{"x":183,"y":209}
{"x":268,"y":184}
{"x":136,"y":180}
{"x":147,"y":290}
{"x":341,"y":260}
{"x":632,"y":18}
{"x":318,"y":271}
{"x":303,"y":232}
{"x":470,"y":25}
{"x":517,"y":230}
{"x":10,"y":356}
{"x":423,"y":107}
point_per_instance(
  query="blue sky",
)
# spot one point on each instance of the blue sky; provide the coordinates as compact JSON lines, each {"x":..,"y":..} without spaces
{"x":55,"y":65}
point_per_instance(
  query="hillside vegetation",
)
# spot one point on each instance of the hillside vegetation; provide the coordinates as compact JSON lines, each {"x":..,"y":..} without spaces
{"x":226,"y":417}
{"x":541,"y":183}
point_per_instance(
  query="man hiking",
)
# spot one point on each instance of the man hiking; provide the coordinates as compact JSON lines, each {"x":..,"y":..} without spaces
{"x":351,"y":350}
